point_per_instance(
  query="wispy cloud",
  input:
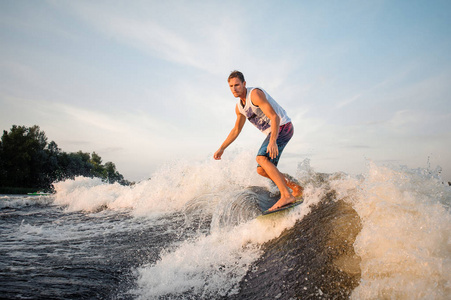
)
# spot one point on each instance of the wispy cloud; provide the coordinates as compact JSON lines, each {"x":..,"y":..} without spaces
{"x":412,"y":122}
{"x":391,"y":81}
{"x":196,"y":35}
{"x":192,"y":44}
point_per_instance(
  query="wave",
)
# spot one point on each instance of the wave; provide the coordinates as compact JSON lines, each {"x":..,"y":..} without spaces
{"x":383,"y":234}
{"x":168,"y":190}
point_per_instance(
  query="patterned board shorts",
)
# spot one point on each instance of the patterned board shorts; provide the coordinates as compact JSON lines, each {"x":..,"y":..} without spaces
{"x":285,"y":133}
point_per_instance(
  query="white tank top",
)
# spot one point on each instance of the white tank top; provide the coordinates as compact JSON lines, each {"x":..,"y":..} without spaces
{"x":256,"y":116}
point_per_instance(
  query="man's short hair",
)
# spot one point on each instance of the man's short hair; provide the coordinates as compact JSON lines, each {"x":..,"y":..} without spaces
{"x":236,"y":74}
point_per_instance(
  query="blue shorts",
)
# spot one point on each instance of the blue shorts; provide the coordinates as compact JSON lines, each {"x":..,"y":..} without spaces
{"x":285,"y":133}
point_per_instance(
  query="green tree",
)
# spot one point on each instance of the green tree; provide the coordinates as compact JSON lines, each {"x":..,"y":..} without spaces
{"x":98,"y":170}
{"x":113,"y":175}
{"x":23,"y":156}
{"x":79,"y":164}
{"x":51,"y":168}
{"x":28,"y":161}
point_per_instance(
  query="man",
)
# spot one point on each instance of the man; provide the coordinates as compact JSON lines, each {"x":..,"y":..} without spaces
{"x":269,"y":117}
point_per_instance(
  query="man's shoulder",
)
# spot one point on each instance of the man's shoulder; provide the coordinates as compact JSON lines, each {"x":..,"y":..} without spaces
{"x":257,"y":94}
{"x":256,"y":89}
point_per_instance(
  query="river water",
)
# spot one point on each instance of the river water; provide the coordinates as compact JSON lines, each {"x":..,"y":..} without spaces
{"x":193,"y":232}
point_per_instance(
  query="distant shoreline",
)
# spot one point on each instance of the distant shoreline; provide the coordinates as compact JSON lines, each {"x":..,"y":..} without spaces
{"x":16,"y":190}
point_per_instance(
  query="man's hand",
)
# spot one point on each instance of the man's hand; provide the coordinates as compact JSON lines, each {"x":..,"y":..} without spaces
{"x":272,"y":149}
{"x":218,"y":154}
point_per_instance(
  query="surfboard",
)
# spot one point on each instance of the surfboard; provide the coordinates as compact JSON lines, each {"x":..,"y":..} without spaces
{"x":266,"y":199}
{"x":286,"y":207}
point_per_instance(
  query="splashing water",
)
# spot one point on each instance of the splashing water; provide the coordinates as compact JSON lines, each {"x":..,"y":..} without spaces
{"x":405,"y":242}
{"x":202,"y":235}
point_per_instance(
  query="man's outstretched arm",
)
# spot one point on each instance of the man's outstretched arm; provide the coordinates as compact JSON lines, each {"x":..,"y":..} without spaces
{"x":240,"y":120}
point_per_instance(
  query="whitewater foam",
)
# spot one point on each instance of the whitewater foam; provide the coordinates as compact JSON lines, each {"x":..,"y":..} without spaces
{"x":168,"y":190}
{"x":11,"y":201}
{"x":404,"y":244}
{"x":214,"y":262}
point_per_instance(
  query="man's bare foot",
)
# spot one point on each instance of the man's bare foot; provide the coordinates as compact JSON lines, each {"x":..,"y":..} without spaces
{"x":283,"y":202}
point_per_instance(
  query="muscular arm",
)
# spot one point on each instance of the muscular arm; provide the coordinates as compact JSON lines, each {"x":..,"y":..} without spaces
{"x":240,"y":120}
{"x":258,"y":98}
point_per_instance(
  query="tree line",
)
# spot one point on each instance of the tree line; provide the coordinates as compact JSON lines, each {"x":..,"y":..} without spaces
{"x":27,"y":160}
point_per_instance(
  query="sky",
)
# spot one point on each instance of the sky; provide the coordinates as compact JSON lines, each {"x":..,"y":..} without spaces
{"x":144,"y":83}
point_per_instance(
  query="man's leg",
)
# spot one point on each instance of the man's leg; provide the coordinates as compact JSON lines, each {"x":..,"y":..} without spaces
{"x":297,"y":190}
{"x":269,"y":170}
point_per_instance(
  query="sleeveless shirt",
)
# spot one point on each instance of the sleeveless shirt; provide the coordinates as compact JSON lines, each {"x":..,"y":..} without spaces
{"x":256,"y":116}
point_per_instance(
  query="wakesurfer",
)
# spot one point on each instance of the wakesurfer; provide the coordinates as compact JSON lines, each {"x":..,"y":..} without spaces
{"x":269,"y":117}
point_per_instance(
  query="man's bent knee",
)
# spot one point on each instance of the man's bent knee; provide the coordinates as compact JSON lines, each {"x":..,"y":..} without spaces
{"x":261,"y":172}
{"x":261,"y":159}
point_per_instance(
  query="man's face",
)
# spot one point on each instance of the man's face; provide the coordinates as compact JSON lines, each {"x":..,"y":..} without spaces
{"x":237,"y":87}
